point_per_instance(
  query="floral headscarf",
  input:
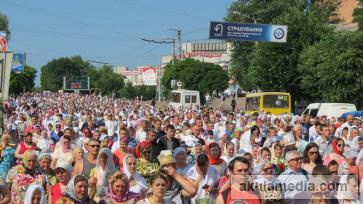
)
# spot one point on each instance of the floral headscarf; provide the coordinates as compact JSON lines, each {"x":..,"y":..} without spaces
{"x":71,"y":193}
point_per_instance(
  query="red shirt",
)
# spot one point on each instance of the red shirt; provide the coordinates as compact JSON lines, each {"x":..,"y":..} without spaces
{"x":55,"y":192}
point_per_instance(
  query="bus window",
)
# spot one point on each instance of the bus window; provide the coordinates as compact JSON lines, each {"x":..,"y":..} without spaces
{"x":253,"y":104}
{"x":275,"y":101}
{"x":175,"y":97}
{"x":187,"y":99}
{"x":194,"y":99}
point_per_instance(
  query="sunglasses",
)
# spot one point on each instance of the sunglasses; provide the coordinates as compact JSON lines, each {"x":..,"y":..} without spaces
{"x":147,"y":152}
{"x":340,"y":145}
{"x":94,"y":146}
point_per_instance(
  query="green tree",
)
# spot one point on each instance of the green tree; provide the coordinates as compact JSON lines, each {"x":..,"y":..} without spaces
{"x":129,"y":91}
{"x":196,"y":75}
{"x":4,"y":23}
{"x":333,"y":68}
{"x":251,"y":11}
{"x":52,"y":73}
{"x":358,"y":16}
{"x":108,"y":81}
{"x":274,"y":66}
{"x":23,"y":81}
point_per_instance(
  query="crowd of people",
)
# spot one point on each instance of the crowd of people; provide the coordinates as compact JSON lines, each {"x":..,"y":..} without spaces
{"x":64,"y":148}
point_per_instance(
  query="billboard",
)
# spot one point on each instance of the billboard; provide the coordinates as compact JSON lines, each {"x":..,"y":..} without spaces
{"x":76,"y":83}
{"x":18,"y":63}
{"x":149,"y":76}
{"x":248,"y":32}
{"x":3,"y":41}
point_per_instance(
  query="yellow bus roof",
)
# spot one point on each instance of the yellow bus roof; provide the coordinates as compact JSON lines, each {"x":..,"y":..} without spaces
{"x":266,"y":93}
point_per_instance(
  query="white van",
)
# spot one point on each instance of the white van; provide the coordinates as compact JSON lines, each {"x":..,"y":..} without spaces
{"x":182,"y":98}
{"x":329,"y":109}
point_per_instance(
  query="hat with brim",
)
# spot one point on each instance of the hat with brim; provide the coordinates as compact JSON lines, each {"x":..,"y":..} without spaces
{"x":166,"y":157}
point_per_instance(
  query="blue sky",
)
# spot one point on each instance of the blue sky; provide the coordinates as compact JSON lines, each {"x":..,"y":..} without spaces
{"x":106,"y":30}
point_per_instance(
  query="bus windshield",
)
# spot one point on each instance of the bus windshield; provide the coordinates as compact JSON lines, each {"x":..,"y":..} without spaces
{"x":276,"y":101}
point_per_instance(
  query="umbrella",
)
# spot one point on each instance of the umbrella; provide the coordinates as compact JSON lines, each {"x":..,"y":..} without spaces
{"x":354,"y":113}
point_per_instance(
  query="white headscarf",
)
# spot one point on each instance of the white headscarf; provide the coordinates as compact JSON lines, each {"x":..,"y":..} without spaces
{"x":110,"y":166}
{"x":141,"y":181}
{"x":30,"y":191}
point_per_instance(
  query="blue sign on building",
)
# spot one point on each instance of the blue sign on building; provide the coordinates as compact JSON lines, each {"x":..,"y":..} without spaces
{"x":248,"y":32}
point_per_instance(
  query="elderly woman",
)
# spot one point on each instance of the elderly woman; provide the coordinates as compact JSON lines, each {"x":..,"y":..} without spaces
{"x":44,"y":160}
{"x":22,"y":176}
{"x":77,"y":192}
{"x":146,"y":166}
{"x":119,"y":190}
{"x":7,"y":156}
{"x":35,"y":195}
{"x":138,"y":184}
{"x":105,"y":167}
{"x":215,"y":160}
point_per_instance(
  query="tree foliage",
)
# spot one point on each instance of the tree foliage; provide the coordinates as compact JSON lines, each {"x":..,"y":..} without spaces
{"x":52,"y":73}
{"x":273,"y":66}
{"x":196,"y":75}
{"x":106,"y":80}
{"x":333,"y":68}
{"x":130,"y":92}
{"x":23,"y":81}
{"x":4,"y":23}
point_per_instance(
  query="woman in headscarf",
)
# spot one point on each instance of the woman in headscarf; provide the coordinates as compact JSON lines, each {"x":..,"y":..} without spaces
{"x":145,"y":163}
{"x":229,"y":152}
{"x":338,"y":151}
{"x":77,"y":192}
{"x":44,"y":160}
{"x":137,"y":183}
{"x":180,"y":156}
{"x":7,"y":156}
{"x":35,"y":195}
{"x":25,"y":174}
{"x":105,"y":167}
{"x":196,"y":149}
{"x":215,"y":160}
{"x":119,"y":190}
{"x":64,"y":174}
{"x":63,"y":153}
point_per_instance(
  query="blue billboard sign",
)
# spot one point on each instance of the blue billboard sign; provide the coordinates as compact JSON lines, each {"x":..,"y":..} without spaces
{"x":18,"y":63}
{"x":248,"y":32}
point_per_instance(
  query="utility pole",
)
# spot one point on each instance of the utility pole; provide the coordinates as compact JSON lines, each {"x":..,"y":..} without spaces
{"x":178,"y":31}
{"x":159,"y":88}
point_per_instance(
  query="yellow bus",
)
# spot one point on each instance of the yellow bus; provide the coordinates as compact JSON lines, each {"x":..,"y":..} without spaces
{"x":273,"y":102}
